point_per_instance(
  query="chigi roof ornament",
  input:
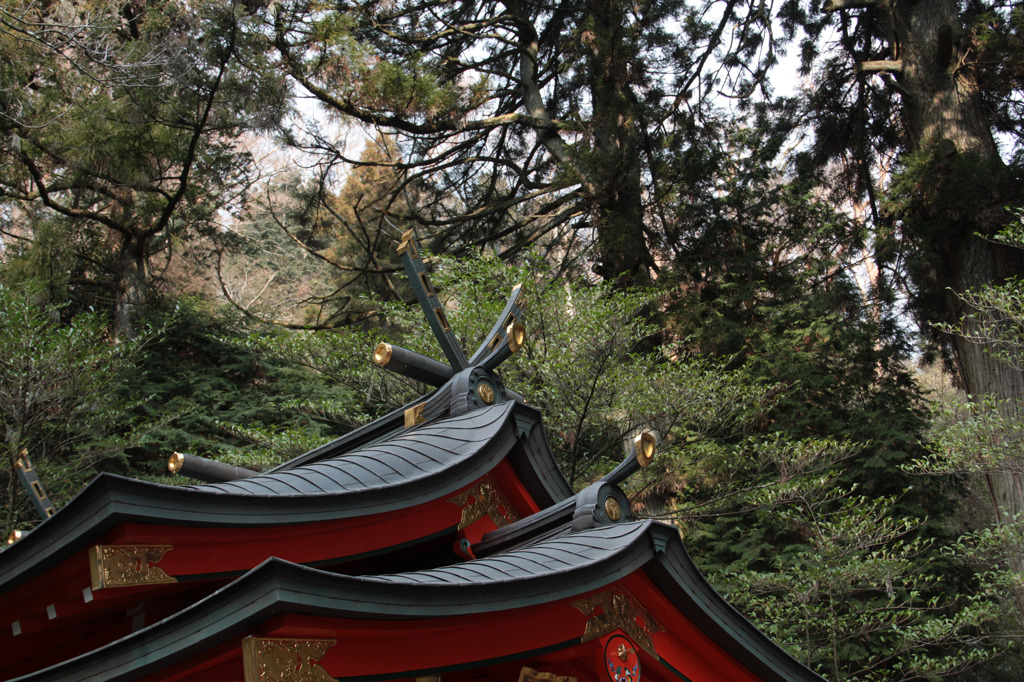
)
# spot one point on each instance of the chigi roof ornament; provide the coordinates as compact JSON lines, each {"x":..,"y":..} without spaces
{"x":465,"y":384}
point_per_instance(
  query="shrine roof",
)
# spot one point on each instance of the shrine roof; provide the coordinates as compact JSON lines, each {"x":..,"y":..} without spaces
{"x":417,"y":465}
{"x":377,"y":430}
{"x":553,"y":555}
{"x":566,"y":565}
{"x":405,"y":457}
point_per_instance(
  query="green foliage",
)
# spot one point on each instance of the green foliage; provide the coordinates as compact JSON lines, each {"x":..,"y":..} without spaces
{"x":127,"y":145}
{"x":856,"y":598}
{"x":848,"y":382}
{"x":306,"y":256}
{"x":793,"y":560}
{"x":978,"y":439}
{"x":589,"y":364}
{"x":776,"y":289}
{"x":725,"y":492}
{"x":982,"y":434}
{"x":340,"y":357}
{"x":939,"y":200}
{"x":206,"y":393}
{"x":269,"y":264}
{"x":974,"y":436}
{"x":573,"y":127}
{"x":60,"y":398}
{"x":995,"y":317}
{"x":998,"y":36}
{"x":935,"y":189}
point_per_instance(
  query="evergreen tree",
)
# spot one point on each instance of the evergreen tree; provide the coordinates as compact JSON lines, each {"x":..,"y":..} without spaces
{"x":62,"y":399}
{"x":120,"y":125}
{"x":330,"y":253}
{"x":929,"y":85}
{"x":200,"y":388}
{"x":525,"y":123}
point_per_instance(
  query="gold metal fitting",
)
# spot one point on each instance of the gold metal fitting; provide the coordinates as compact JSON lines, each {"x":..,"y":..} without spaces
{"x":486,"y":393}
{"x":414,"y":415}
{"x":644,"y":445}
{"x":176,"y":461}
{"x":520,"y":299}
{"x":14,"y":536}
{"x":382,"y":354}
{"x":408,"y":243}
{"x":516,"y":334}
{"x":612,"y":508}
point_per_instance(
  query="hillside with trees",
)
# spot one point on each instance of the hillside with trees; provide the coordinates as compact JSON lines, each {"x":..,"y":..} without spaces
{"x":784,"y":234}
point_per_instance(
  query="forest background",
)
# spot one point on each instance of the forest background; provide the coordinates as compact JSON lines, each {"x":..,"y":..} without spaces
{"x":810,"y":293}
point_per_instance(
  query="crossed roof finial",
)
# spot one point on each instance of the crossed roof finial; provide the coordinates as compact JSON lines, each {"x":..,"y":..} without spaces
{"x":505,"y":337}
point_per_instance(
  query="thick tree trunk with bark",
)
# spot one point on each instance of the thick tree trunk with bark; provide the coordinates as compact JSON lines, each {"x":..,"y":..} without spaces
{"x":622,"y":250}
{"x":943,"y":110}
{"x":131,"y":285}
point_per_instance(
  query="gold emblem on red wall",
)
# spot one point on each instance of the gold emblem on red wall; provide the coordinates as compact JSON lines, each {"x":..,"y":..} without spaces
{"x":485,"y":499}
{"x":125,"y":565}
{"x":270,"y":659}
{"x":621,"y":662}
{"x":616,"y":609}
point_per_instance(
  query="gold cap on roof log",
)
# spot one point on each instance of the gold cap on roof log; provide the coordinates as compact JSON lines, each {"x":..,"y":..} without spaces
{"x":382,"y":354}
{"x":516,"y":334}
{"x":175,"y":462}
{"x":645,"y":445}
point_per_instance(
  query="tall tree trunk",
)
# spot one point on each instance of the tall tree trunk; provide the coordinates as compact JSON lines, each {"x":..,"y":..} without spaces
{"x":943,"y":111}
{"x":131,"y":285}
{"x":622,"y":250}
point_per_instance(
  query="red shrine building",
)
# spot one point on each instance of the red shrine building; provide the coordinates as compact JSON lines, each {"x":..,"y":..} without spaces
{"x":437,"y":543}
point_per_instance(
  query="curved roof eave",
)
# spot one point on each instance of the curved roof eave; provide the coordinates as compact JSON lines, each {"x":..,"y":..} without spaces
{"x":555,"y":568}
{"x":413,"y":467}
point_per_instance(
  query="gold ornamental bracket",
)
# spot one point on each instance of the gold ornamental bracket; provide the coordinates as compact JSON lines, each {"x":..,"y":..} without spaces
{"x":285,"y":659}
{"x":414,"y":415}
{"x":127,"y":565}
{"x":644,"y":446}
{"x":640,"y":450}
{"x":527,"y":674}
{"x":513,"y":339}
{"x":616,"y":609}
{"x":485,"y":499}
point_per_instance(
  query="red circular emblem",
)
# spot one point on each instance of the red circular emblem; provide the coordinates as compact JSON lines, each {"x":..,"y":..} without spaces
{"x":621,"y":660}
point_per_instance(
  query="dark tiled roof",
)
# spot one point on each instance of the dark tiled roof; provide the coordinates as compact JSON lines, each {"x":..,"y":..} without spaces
{"x":418,"y":453}
{"x":554,"y":554}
